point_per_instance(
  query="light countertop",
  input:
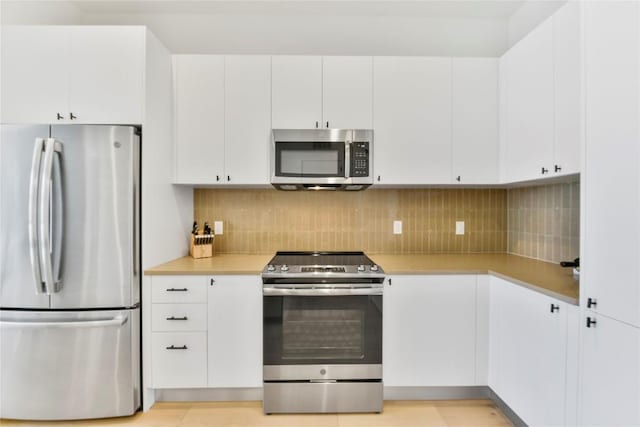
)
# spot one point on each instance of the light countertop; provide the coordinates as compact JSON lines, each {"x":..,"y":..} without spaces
{"x":545,"y":277}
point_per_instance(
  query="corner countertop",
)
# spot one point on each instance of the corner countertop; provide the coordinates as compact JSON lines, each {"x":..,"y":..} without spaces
{"x":544,"y":277}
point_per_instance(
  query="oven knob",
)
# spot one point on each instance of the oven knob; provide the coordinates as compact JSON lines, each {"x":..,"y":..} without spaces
{"x":323,"y":371}
{"x":284,"y":267}
{"x":271,"y":267}
{"x":361,"y":267}
{"x":374,"y":267}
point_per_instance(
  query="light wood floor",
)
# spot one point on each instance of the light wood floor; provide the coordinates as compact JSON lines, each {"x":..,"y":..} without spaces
{"x":463,"y":413}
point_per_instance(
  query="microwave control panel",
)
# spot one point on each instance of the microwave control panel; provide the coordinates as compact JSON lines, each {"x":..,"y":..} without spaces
{"x":360,"y":159}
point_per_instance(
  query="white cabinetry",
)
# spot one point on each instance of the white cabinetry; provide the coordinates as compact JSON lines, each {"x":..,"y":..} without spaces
{"x":475,"y":120}
{"x":235,"y":331}
{"x":528,"y":351}
{"x":529,"y":100}
{"x":312,"y":92}
{"x":412,"y":120}
{"x":73,"y":74}
{"x":223,"y":119}
{"x":178,"y":331}
{"x":429,"y":327}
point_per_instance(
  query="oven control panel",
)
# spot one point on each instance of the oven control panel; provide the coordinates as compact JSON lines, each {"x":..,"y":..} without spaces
{"x":360,"y":159}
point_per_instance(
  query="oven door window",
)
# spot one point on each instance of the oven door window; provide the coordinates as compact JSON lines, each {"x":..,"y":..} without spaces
{"x":301,"y":330}
{"x":310,"y":159}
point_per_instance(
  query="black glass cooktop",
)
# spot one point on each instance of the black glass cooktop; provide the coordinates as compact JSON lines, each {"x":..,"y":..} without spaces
{"x":321,"y":258}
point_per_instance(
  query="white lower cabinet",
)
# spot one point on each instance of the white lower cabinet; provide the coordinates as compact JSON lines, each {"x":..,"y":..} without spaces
{"x":179,"y":359}
{"x":610,"y":373}
{"x":429,"y":330}
{"x":528,"y":352}
{"x":235,"y":331}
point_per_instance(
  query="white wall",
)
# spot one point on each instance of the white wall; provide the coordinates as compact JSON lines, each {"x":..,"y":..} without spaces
{"x":17,"y":12}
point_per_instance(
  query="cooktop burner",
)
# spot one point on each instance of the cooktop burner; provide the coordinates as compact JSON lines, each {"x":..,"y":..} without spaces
{"x":322,"y":265}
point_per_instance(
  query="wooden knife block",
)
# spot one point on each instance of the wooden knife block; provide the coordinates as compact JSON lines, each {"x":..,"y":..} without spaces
{"x":198,"y":248}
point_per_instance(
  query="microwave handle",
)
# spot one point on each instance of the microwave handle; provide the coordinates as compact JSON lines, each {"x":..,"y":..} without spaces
{"x":347,"y":159}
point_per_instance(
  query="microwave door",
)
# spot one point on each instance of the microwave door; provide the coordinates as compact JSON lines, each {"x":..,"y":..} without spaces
{"x":310,"y":159}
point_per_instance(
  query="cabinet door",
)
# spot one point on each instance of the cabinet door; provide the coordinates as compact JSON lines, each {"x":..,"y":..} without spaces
{"x":199,"y":118}
{"x":247,"y":119}
{"x":530,"y":106}
{"x":567,"y":89}
{"x":429,"y":331}
{"x":106,"y":74}
{"x":531,"y":345}
{"x":235,"y":331}
{"x":612,"y":159}
{"x":412,"y":120}
{"x":34,"y":74}
{"x":347,"y":92}
{"x":475,"y":120}
{"x":610,"y":374}
{"x":296,"y":91}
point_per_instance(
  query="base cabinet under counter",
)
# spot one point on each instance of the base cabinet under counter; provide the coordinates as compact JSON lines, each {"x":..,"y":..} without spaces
{"x":206,"y":331}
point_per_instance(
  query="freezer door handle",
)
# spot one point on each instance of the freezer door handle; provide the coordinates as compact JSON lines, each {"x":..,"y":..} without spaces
{"x":98,"y":323}
{"x":33,"y":215}
{"x":44,"y":215}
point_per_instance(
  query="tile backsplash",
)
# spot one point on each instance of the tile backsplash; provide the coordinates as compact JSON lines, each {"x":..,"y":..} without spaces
{"x":543,"y":222}
{"x":266,"y":220}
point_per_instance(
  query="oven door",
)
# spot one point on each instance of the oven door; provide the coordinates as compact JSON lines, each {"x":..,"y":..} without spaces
{"x":307,"y":337}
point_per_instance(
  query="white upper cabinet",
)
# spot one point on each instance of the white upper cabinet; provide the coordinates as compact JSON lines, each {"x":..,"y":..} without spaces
{"x":612,"y":160}
{"x":247,"y":119}
{"x":199,"y":118}
{"x":312,"y":92}
{"x":567,"y":89}
{"x":530,"y":115}
{"x":73,"y":74}
{"x":412,"y":120}
{"x":223,"y":119}
{"x":297,"y":92}
{"x":475,"y":120}
{"x":347,"y":92}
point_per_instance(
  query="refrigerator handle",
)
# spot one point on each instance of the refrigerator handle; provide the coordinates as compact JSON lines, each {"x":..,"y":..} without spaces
{"x":33,"y":215}
{"x":44,"y":215}
{"x":57,"y":217}
{"x":101,"y":323}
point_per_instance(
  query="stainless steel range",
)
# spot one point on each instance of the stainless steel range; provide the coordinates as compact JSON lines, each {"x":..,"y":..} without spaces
{"x":322,"y":333}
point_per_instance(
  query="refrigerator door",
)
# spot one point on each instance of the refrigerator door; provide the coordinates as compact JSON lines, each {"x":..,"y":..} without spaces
{"x":69,"y":365}
{"x":100,"y":180}
{"x":19,"y":172}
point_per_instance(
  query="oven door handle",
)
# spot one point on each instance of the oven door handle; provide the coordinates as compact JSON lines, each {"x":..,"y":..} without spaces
{"x":319,"y":292}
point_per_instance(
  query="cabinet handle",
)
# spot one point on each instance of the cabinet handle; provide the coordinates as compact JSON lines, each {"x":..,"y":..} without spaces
{"x":177,"y":290}
{"x":389,"y":281}
{"x":555,"y":308}
{"x":458,"y":178}
{"x":212,"y":282}
{"x":378,"y":178}
{"x":228,"y":177}
{"x":177,"y":318}
{"x":591,"y":323}
{"x":327,"y":125}
{"x":173,"y":347}
{"x":591,"y":302}
{"x":317,"y":124}
{"x":557,"y":168}
{"x":217,"y":177}
{"x":544,"y":170}
{"x":72,"y":117}
{"x":60,"y":116}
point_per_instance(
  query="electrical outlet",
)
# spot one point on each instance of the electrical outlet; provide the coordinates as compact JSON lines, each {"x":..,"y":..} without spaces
{"x":217,"y":228}
{"x":459,"y":227}
{"x":397,"y":227}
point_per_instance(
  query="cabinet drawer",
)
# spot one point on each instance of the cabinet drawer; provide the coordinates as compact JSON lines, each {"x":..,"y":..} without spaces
{"x":179,"y":359}
{"x":179,"y":289}
{"x":178,"y":317}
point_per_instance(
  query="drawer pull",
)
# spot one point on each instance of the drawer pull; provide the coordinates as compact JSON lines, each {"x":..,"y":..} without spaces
{"x":173,"y":347}
{"x":177,"y":290}
{"x":177,"y":318}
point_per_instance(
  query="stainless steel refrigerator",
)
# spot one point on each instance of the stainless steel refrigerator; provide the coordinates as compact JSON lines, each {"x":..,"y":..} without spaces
{"x":69,"y":271}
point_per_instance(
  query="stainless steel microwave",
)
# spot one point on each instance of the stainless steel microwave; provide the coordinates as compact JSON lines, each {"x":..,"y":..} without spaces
{"x":322,"y":159}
